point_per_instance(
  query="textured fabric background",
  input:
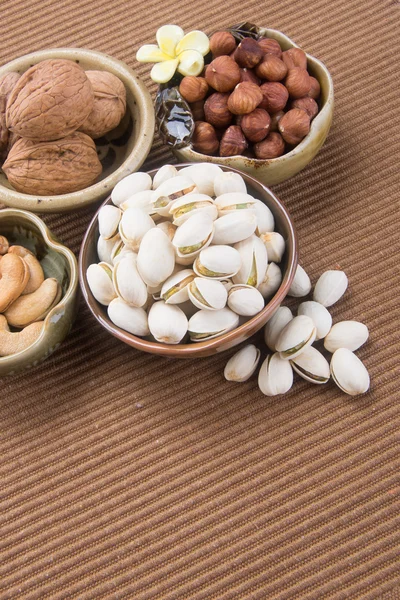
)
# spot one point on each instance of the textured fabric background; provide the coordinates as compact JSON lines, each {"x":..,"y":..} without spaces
{"x":124,"y":475}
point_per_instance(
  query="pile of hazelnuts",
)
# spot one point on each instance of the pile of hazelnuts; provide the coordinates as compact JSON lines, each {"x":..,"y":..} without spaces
{"x":253,"y":99}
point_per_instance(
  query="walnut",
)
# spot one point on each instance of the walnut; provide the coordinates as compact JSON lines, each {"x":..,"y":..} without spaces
{"x":7,"y":83}
{"x":109,"y":104}
{"x":50,"y":100}
{"x":54,"y":167}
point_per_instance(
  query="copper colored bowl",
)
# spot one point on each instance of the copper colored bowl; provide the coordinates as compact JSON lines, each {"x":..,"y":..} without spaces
{"x":284,"y":225}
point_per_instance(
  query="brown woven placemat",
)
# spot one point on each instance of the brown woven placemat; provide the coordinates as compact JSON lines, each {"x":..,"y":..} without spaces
{"x":124,"y":475}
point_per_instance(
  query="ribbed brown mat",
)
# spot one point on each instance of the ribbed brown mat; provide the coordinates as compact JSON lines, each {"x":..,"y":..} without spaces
{"x":125,"y":475}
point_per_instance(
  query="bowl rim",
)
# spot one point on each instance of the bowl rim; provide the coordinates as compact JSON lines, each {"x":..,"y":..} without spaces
{"x":96,"y":191}
{"x":322,"y":115}
{"x":72,"y":284}
{"x":194,"y":349}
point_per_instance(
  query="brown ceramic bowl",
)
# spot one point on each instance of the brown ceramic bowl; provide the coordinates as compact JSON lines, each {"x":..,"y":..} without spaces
{"x":284,"y":225}
{"x":121,"y":151}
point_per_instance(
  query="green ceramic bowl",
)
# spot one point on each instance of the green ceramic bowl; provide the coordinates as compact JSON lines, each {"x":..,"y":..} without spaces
{"x":276,"y":170}
{"x":26,"y":229}
{"x":121,"y":151}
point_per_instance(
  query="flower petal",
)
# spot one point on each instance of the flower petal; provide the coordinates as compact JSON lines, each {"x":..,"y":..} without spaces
{"x":191,"y":62}
{"x":194,"y":40}
{"x":167,"y":38}
{"x":164,"y":71}
{"x":151,"y":53}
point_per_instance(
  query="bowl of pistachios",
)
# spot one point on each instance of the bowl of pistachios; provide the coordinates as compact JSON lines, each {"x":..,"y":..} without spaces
{"x":188,"y":260}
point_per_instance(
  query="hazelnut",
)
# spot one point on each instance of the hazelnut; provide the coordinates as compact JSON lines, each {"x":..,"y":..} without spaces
{"x":275,"y":96}
{"x":248,"y":54}
{"x":294,"y":125}
{"x":249,"y":75}
{"x":271,"y":68}
{"x":297,"y":82}
{"x":216,"y":110}
{"x":307,"y":104}
{"x":275,"y":118}
{"x":222,"y":42}
{"x":193,"y":88}
{"x":204,"y":138}
{"x":315,"y":88}
{"x":197,"y":109}
{"x":294,"y":57}
{"x":245,"y":98}
{"x":233,"y":142}
{"x":255,"y":125}
{"x":270,"y":46}
{"x":223,"y":74}
{"x":272,"y":147}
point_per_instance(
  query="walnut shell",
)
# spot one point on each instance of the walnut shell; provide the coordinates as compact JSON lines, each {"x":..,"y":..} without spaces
{"x":7,"y":83}
{"x":50,"y":101}
{"x":109,"y":104}
{"x":55,"y":167}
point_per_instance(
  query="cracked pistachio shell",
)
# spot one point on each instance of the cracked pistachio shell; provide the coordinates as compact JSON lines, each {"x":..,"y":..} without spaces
{"x":349,"y":373}
{"x":136,"y":182}
{"x":129,"y":318}
{"x":319,"y":314}
{"x":227,"y":182}
{"x":99,"y":278}
{"x":167,"y":323}
{"x":169,"y":191}
{"x":209,"y":324}
{"x":234,"y":201}
{"x":346,"y":334}
{"x":194,"y":235}
{"x":271,"y":282}
{"x":141,"y":200}
{"x":192,"y":204}
{"x":330,"y":287}
{"x":217,"y":262}
{"x":241,"y":366}
{"x":109,"y":218}
{"x":127,"y":282}
{"x":254,"y":257}
{"x":203,"y":175}
{"x":301,"y":284}
{"x":265,"y":218}
{"x":164,"y":173}
{"x":234,"y":227}
{"x":175,"y":288}
{"x":295,"y":337}
{"x":119,"y":251}
{"x":272,"y":330}
{"x":245,"y":300}
{"x":133,"y":226}
{"x":156,"y":257}
{"x":275,"y":376}
{"x":312,"y":366}
{"x":275,"y":245}
{"x":104,"y":248}
{"x":168,"y":229}
{"x":207,"y":294}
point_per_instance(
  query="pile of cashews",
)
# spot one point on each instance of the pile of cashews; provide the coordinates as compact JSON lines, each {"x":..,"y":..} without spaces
{"x":26,"y":297}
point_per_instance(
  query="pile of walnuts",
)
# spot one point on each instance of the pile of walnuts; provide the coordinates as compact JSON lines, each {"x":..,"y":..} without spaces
{"x":49,"y":117}
{"x":253,"y":98}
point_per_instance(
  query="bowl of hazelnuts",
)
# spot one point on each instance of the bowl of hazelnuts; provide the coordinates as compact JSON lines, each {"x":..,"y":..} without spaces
{"x":261,"y":105}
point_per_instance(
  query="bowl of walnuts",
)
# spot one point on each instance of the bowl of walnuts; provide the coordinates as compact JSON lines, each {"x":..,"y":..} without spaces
{"x":258,"y":103}
{"x":73,"y":122}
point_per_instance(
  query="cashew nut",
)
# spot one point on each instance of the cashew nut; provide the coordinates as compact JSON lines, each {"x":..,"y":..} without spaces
{"x":14,"y":277}
{"x":3,"y":245}
{"x":35,"y":306}
{"x":36,"y":275}
{"x":11,"y":343}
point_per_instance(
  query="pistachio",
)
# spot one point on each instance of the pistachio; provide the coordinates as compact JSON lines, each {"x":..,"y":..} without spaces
{"x":128,"y":284}
{"x":245,"y":300}
{"x":271,"y":282}
{"x":203,"y":175}
{"x":164,"y":173}
{"x":320,"y":316}
{"x":156,"y":257}
{"x":136,"y":182}
{"x":312,"y":366}
{"x":99,"y":278}
{"x":109,"y":218}
{"x":119,"y":251}
{"x":275,"y":245}
{"x":175,"y":288}
{"x":346,"y":334}
{"x":169,"y":191}
{"x":192,"y":204}
{"x":265,"y":218}
{"x":330,"y":287}
{"x":206,"y":324}
{"x":234,"y":201}
{"x":207,"y":294}
{"x":194,"y":235}
{"x":275,"y":376}
{"x":234,"y":227}
{"x":217,"y":262}
{"x":301,"y":284}
{"x":168,"y":229}
{"x":241,"y":366}
{"x":254,"y":259}
{"x":127,"y":317}
{"x":228,"y":181}
{"x":295,"y":337}
{"x":272,"y":330}
{"x":142,"y":200}
{"x":348,"y":372}
{"x":134,"y":224}
{"x":104,"y":248}
{"x":167,"y":323}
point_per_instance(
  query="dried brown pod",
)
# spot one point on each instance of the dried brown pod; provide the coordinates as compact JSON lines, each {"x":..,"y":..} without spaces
{"x":109,"y":104}
{"x":255,"y":125}
{"x":193,"y":88}
{"x":50,"y":100}
{"x":222,"y":42}
{"x":223,"y":74}
{"x":245,"y":98}
{"x":248,"y":53}
{"x":272,"y":68}
{"x":271,"y":147}
{"x":54,"y":167}
{"x":7,"y":84}
{"x":204,"y":138}
{"x":233,"y":142}
{"x":216,"y":110}
{"x":294,"y":126}
{"x":270,"y":46}
{"x":275,"y":96}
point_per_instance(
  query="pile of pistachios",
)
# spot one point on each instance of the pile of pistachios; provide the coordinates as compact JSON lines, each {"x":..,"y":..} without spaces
{"x":290,"y":339}
{"x":187,"y":254}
